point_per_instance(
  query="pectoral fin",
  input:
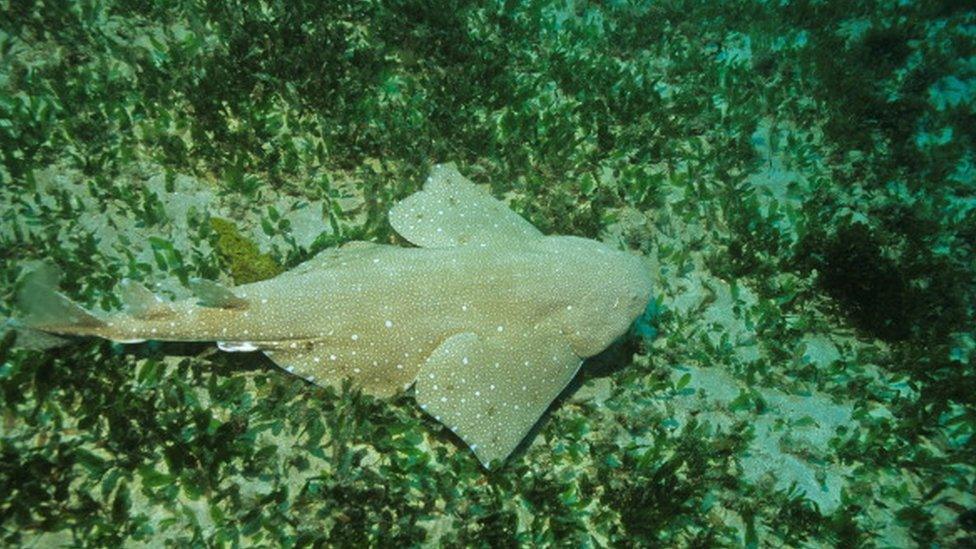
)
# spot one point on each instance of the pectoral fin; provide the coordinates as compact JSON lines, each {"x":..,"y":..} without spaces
{"x":451,"y":211}
{"x":376,"y":371}
{"x":491,"y":391}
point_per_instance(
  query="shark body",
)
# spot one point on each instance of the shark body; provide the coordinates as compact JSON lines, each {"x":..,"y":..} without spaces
{"x":487,"y":319}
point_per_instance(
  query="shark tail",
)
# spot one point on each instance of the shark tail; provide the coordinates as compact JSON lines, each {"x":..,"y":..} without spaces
{"x":23,"y":337}
{"x":48,"y":310}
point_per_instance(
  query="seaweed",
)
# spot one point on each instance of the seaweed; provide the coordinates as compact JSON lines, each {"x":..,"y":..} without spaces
{"x":865,"y":283}
{"x":574,"y":113}
{"x":658,"y":496}
{"x":241,"y":256}
{"x":911,"y":294}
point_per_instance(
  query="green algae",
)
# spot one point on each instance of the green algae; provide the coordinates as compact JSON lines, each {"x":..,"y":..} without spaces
{"x":572,"y":113}
{"x":241,"y":257}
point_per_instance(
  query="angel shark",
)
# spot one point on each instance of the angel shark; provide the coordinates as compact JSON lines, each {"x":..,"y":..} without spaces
{"x":487,"y":319}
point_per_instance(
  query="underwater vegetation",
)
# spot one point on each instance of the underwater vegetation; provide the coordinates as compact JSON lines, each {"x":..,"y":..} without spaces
{"x":798,"y":175}
{"x":918,"y":294}
{"x":242,"y":258}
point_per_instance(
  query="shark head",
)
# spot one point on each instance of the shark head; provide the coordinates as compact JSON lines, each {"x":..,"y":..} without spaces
{"x":618,"y":288}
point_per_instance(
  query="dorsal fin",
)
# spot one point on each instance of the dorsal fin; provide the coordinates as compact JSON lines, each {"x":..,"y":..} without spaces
{"x":212,"y":294}
{"x":452,"y":211}
{"x":140,"y":302}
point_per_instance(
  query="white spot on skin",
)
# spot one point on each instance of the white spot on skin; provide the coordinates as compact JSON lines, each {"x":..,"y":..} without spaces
{"x":464,"y":360}
{"x":355,"y":337}
{"x":500,"y":328}
{"x":332,"y":357}
{"x":388,"y":323}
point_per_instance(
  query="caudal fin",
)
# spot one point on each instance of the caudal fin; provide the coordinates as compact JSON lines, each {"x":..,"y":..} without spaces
{"x":47,"y":309}
{"x":28,"y":338}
